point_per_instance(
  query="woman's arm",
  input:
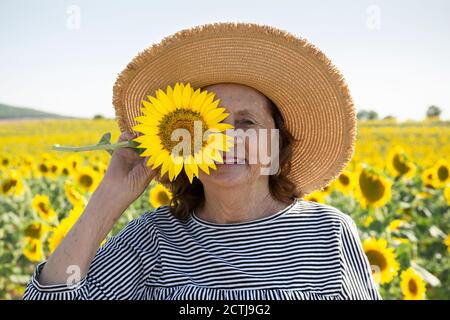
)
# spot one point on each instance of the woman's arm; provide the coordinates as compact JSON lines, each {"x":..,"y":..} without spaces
{"x":125,"y":180}
{"x":77,"y":250}
{"x":118,"y":271}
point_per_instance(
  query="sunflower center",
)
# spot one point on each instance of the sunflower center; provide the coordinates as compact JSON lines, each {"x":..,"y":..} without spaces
{"x":34,"y":231}
{"x":412,"y":286}
{"x":183,"y":119}
{"x":163,"y":198}
{"x":8,"y":185}
{"x":443,"y":173}
{"x":344,"y":179}
{"x":43,"y":207}
{"x":371,"y":186}
{"x":86,"y":180}
{"x":400,"y":164}
{"x":377,"y":258}
{"x":43,"y":168}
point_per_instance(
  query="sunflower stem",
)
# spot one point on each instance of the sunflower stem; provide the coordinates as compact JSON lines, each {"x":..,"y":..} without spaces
{"x":106,"y":146}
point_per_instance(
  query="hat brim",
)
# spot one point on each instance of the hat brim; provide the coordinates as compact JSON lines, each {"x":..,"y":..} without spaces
{"x":307,"y":88}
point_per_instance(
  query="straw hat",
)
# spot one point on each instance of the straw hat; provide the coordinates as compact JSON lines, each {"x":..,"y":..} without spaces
{"x":309,"y":91}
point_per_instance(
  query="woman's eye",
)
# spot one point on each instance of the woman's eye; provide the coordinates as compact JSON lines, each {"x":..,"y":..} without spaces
{"x":247,"y":121}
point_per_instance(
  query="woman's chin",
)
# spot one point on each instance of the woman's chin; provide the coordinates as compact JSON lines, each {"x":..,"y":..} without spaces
{"x":228,"y":175}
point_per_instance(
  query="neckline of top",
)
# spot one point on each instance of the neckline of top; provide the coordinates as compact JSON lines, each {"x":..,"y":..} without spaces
{"x":271,"y":217}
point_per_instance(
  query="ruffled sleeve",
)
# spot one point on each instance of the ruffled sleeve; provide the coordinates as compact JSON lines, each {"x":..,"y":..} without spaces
{"x":357,"y":279}
{"x":118,"y":270}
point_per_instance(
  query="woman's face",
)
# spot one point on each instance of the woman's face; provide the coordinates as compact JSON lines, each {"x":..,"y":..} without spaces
{"x":248,"y":110}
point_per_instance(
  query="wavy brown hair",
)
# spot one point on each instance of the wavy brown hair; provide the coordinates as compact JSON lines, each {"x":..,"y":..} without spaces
{"x":187,"y":197}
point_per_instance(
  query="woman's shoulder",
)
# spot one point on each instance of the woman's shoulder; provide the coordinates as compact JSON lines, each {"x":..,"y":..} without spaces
{"x":321,"y":211}
{"x":142,"y":230}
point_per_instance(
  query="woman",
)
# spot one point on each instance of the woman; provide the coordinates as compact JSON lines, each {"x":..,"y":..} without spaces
{"x":236,"y":233}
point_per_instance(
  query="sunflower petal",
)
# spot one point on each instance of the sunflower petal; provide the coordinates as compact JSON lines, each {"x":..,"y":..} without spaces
{"x":177,"y":95}
{"x":186,"y":96}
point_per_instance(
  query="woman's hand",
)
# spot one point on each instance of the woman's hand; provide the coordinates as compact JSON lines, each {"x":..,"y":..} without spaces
{"x":127,"y":175}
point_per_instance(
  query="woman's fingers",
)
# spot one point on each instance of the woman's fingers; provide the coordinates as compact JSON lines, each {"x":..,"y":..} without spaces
{"x":127,"y":135}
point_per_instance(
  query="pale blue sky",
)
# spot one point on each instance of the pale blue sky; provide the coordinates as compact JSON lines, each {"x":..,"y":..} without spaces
{"x":393,"y":54}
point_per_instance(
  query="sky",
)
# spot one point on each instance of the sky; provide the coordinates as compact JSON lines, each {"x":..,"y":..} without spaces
{"x":64,"y":56}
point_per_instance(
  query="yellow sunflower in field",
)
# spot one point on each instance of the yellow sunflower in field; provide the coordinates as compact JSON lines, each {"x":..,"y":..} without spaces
{"x":74,"y":161}
{"x":159,"y":196}
{"x":442,"y":169}
{"x":345,"y":182}
{"x":412,"y":285}
{"x":5,"y":161}
{"x":32,"y":249}
{"x":54,"y":168}
{"x":41,"y":204}
{"x":42,"y":169}
{"x":193,"y":113}
{"x":12,"y":184}
{"x":382,"y":259}
{"x":75,"y":198}
{"x":37,"y":230}
{"x":64,"y":170}
{"x":430,"y":178}
{"x":399,"y":163}
{"x":395,"y":225}
{"x":372,"y":188}
{"x":87,"y":179}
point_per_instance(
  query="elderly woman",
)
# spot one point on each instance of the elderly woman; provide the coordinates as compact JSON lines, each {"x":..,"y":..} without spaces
{"x":233,"y":234}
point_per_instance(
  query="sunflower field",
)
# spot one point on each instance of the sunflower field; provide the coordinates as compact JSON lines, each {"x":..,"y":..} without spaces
{"x":396,"y":189}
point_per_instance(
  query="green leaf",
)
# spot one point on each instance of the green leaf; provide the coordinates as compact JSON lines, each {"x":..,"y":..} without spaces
{"x":106,"y":139}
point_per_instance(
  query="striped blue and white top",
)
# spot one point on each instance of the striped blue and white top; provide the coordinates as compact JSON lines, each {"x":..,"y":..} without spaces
{"x":308,"y":250}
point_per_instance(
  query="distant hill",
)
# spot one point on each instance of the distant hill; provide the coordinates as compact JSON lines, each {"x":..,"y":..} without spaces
{"x":10,"y":112}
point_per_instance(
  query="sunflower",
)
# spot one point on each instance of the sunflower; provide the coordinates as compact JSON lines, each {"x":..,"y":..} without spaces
{"x":64,"y":170}
{"x":12,"y":184}
{"x":372,"y":188}
{"x":75,"y":198}
{"x":345,"y":182}
{"x":382,"y":258}
{"x":395,"y":225}
{"x":87,"y":179}
{"x":412,"y":285}
{"x":41,"y":204}
{"x":37,"y":230}
{"x":42,"y":169}
{"x":159,"y":196}
{"x":430,"y":178}
{"x":32,"y":249}
{"x":54,"y":168}
{"x":195,"y":113}
{"x":399,"y":164}
{"x":442,"y":169}
{"x":74,"y":161}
